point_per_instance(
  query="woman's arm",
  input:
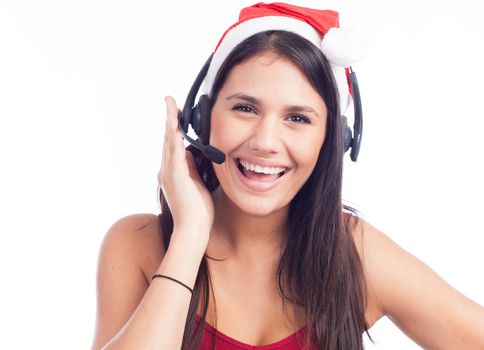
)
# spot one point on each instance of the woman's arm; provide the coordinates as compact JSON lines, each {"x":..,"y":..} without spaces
{"x":415,"y":298}
{"x":132,"y":314}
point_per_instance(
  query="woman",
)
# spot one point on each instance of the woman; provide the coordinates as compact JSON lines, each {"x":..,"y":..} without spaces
{"x":260,"y":245}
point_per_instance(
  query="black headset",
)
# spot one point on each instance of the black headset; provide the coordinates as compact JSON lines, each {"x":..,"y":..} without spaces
{"x":198,"y":117}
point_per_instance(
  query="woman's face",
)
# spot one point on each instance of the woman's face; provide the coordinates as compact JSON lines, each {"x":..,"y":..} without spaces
{"x":271,"y":124}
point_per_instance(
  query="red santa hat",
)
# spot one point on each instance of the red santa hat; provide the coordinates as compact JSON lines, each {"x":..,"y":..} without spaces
{"x":341,"y":46}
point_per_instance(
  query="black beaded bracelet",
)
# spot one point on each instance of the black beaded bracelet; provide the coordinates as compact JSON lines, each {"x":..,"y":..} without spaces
{"x":174,"y":280}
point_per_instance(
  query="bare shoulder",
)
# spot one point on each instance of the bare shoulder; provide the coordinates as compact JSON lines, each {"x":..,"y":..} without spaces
{"x":370,"y":243}
{"x":137,"y":226}
{"x":131,"y":251}
{"x":368,"y":239}
{"x":134,"y":240}
{"x":411,"y":294}
{"x":389,"y":269}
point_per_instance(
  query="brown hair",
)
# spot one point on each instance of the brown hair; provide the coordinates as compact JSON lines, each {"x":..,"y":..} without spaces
{"x":320,"y":268}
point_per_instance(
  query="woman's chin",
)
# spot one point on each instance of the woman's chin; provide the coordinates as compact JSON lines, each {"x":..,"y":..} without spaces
{"x":251,"y":204}
{"x":260,"y":208}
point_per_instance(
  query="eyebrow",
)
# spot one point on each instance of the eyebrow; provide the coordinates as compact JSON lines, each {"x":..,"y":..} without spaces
{"x":255,"y":101}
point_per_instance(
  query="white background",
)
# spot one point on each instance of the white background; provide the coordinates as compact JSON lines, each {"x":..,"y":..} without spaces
{"x":81,"y":125}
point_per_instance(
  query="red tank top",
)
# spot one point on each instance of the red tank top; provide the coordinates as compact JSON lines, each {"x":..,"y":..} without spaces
{"x":224,"y":342}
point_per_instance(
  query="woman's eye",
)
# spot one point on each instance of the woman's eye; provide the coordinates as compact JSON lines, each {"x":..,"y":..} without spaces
{"x":242,"y":108}
{"x":298,"y":118}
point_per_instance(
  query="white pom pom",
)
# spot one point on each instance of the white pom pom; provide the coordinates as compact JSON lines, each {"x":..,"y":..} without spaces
{"x":343,"y":46}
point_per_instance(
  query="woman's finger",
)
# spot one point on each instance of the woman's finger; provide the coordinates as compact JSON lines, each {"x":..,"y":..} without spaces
{"x":174,"y":165}
{"x":172,"y":136}
{"x":192,"y":166}
{"x":171,"y":113}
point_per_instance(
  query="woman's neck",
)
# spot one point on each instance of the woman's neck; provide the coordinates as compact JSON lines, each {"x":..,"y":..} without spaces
{"x":244,"y":236}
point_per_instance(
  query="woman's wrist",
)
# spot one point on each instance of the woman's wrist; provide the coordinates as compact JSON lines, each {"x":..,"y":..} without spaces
{"x":190,"y":239}
{"x":182,"y":258}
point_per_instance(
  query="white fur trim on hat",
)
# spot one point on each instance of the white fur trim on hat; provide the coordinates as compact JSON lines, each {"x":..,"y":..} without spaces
{"x":250,"y":27}
{"x":336,"y":52}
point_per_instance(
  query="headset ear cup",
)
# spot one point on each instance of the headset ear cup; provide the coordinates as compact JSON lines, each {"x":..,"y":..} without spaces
{"x":348,"y":138}
{"x":195,"y":119}
{"x":204,"y":107}
{"x":184,"y":120}
{"x":347,"y":134}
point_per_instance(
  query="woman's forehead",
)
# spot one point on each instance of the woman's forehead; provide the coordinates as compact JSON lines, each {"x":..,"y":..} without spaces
{"x":268,"y":76}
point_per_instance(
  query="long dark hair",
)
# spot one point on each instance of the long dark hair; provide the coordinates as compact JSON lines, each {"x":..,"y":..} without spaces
{"x":319,"y":269}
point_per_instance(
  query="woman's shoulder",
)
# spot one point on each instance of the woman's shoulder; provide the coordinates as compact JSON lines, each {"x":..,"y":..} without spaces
{"x":375,"y":248}
{"x":136,"y":229}
{"x":130,"y":251}
{"x":391,"y":273}
{"x":411,"y":294}
{"x":377,"y":253}
{"x":365,"y":235}
{"x":134,"y":240}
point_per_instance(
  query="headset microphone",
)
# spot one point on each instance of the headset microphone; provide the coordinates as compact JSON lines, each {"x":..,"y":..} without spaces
{"x":198,"y":117}
{"x":210,"y":152}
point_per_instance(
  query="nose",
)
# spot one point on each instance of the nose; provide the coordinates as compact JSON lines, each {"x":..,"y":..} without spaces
{"x":266,"y":137}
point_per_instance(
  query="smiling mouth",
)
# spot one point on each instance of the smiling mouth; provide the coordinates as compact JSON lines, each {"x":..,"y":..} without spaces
{"x":260,"y":173}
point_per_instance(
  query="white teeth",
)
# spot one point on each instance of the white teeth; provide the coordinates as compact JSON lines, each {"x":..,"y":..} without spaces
{"x":261,"y":169}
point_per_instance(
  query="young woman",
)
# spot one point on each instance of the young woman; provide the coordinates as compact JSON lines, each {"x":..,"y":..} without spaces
{"x":257,"y":251}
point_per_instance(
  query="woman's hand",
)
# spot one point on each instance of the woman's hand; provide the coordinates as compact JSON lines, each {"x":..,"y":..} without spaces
{"x":189,"y":200}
